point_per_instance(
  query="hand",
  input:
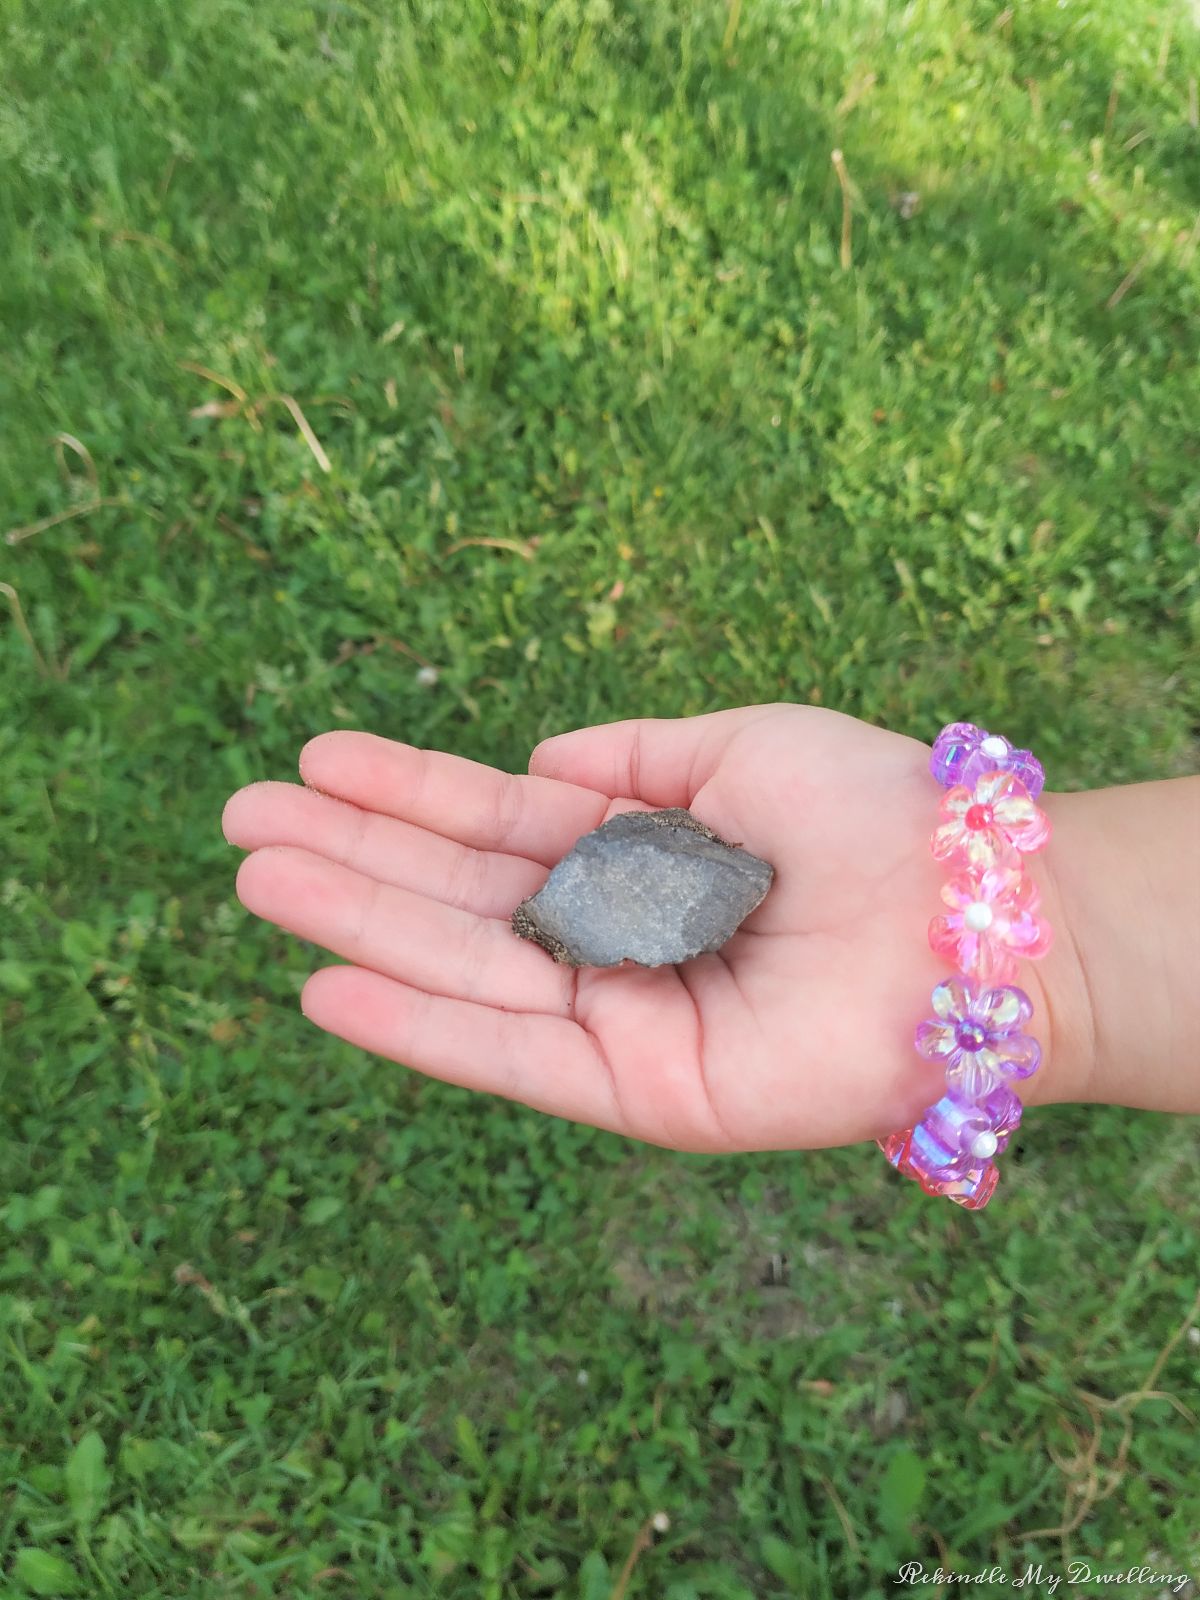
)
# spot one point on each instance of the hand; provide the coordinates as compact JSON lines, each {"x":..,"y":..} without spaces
{"x":796,"y":1034}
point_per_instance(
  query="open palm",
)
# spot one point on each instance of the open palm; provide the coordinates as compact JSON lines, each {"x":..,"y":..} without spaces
{"x":796,"y":1034}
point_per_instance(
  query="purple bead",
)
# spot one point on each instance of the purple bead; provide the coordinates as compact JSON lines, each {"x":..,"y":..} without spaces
{"x":1003,"y":1111}
{"x":1023,"y":764}
{"x":958,"y":757}
{"x":955,"y":1123}
{"x":932,"y":1159}
{"x":960,"y":1177}
{"x":919,"y":1154}
{"x":951,"y":748}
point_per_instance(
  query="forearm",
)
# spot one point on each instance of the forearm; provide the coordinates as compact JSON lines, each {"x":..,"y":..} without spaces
{"x":1121,"y":987}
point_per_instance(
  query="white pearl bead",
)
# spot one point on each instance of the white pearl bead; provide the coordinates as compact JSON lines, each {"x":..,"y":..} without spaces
{"x":978,"y":916}
{"x":993,"y":747}
{"x":984,"y":1144}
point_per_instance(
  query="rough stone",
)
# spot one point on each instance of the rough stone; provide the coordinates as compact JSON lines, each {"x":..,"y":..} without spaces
{"x":654,"y":887}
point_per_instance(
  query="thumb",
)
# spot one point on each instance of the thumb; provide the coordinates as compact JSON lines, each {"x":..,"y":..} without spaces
{"x":661,"y":760}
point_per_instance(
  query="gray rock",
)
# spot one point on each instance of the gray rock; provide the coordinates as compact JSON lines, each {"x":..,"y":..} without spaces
{"x":655,"y":887}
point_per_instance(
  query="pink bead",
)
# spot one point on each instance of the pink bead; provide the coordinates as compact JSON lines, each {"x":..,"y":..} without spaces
{"x":893,"y":1145}
{"x":993,"y":822}
{"x":1008,"y":899}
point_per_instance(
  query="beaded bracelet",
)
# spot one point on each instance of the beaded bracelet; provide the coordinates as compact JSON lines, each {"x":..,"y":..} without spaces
{"x":988,"y":823}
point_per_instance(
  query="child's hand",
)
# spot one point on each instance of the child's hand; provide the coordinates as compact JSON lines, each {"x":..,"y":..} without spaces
{"x":798,"y":1033}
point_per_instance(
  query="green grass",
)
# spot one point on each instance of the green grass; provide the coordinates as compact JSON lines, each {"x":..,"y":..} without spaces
{"x":277,"y":1319}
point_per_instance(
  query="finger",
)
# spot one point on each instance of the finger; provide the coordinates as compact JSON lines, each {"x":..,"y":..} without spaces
{"x":664,"y":761}
{"x":485,"y":882}
{"x":401,"y":934}
{"x":460,"y":799}
{"x":546,"y":1062}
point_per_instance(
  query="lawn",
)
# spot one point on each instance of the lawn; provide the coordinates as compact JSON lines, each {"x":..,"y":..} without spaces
{"x":466,"y":371}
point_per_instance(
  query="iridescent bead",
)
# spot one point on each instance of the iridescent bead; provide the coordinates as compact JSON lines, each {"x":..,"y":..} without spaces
{"x":1021,"y":763}
{"x":951,"y":748}
{"x":894,"y":1145}
{"x":962,"y":753}
{"x":954,"y":1124}
{"x":1003,"y":1110}
{"x":993,"y":920}
{"x":993,"y":821}
{"x":972,"y":1079}
{"x":941,"y":1170}
{"x":979,"y":1026}
{"x":932,"y":1159}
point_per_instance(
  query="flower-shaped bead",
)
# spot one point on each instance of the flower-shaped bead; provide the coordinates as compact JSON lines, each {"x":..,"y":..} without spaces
{"x":941,"y":1168}
{"x":993,"y":822}
{"x":976,"y":1034}
{"x":992,"y":920}
{"x":962,"y":753}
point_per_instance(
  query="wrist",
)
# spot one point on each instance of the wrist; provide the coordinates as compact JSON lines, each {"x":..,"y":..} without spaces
{"x":1121,"y":886}
{"x":1065,"y":1020}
